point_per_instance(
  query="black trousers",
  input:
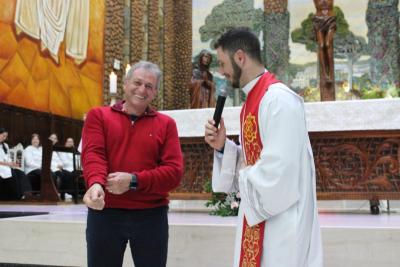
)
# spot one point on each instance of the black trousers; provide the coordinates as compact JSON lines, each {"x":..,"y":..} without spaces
{"x":34,"y":178}
{"x":14,"y":187}
{"x":109,"y":230}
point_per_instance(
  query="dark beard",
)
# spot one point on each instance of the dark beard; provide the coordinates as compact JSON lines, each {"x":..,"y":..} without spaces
{"x":237,"y":73}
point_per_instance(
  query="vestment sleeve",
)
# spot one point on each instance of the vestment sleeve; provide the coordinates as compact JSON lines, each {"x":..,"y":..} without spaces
{"x":225,"y":168}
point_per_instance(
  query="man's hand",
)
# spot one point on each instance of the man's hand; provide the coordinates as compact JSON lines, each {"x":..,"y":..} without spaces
{"x":213,"y":136}
{"x":118,"y":182}
{"x":94,"y":197}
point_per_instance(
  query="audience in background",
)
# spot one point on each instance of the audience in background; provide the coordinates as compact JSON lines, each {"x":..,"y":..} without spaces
{"x":14,"y":185}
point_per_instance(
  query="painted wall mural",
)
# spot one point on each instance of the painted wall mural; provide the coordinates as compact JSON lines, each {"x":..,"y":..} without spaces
{"x":366,"y":44}
{"x":51,"y":55}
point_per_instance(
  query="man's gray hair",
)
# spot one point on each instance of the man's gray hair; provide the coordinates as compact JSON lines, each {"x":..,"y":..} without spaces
{"x":148,"y":66}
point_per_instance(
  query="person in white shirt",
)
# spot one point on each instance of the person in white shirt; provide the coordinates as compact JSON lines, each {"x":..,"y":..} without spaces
{"x":67,"y":158}
{"x":33,"y":162}
{"x":68,"y":171}
{"x":13,"y":182}
{"x":56,"y":163}
{"x":274,"y":166}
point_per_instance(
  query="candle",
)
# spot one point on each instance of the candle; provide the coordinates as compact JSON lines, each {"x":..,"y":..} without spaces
{"x":128,"y":67}
{"x":113,"y":83}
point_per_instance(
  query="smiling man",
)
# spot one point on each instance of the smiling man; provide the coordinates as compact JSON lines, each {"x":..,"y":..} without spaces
{"x":273,"y":168}
{"x":131,"y":159}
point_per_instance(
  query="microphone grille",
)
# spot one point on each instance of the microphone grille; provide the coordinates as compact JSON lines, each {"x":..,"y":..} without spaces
{"x":223,"y":92}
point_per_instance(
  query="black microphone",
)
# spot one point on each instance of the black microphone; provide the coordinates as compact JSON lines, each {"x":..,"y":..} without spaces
{"x":219,"y":107}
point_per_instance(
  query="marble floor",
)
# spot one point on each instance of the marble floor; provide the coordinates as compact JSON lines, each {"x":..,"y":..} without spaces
{"x":77,"y":214}
{"x":351,"y":237}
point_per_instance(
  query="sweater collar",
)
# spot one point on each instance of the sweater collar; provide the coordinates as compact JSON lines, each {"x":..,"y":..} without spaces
{"x":150,"y":111}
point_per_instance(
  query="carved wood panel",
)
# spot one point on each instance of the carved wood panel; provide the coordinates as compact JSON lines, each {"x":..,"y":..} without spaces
{"x":349,"y":165}
{"x":198,"y":157}
{"x":357,"y":166}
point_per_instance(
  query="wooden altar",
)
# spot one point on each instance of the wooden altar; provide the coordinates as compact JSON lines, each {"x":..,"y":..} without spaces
{"x":356,"y":146}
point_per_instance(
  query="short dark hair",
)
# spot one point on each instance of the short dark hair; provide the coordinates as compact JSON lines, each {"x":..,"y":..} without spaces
{"x":240,"y":38}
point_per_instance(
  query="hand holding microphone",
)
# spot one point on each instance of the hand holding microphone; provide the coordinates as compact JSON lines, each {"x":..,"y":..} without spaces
{"x":219,"y":107}
{"x":213,"y":136}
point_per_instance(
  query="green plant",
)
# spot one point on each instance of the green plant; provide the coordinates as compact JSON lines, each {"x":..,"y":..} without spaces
{"x":223,"y":204}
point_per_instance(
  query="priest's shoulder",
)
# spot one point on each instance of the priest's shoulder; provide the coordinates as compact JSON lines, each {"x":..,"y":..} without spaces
{"x":282,"y":90}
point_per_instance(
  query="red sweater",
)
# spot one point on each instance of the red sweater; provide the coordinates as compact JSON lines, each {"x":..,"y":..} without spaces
{"x":149,"y":147}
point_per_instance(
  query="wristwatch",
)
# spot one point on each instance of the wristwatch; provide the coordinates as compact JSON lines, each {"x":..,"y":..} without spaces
{"x":133,"y":185}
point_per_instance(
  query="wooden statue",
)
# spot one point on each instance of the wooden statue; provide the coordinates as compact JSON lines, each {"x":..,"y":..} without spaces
{"x":202,"y":87}
{"x":324,"y":23}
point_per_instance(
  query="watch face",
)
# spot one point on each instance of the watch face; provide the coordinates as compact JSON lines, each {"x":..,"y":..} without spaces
{"x":133,"y":184}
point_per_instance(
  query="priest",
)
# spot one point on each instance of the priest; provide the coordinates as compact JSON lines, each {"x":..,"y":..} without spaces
{"x":273,"y":167}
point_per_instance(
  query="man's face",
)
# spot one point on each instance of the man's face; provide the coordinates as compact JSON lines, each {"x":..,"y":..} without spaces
{"x":229,"y":68}
{"x":140,"y":89}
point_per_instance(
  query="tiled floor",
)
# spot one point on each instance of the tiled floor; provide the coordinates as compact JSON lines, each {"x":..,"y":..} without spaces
{"x":351,"y":237}
{"x":77,"y":214}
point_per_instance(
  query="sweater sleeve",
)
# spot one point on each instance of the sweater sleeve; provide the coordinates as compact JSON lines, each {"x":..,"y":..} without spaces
{"x":94,"y":161}
{"x":167,"y":175}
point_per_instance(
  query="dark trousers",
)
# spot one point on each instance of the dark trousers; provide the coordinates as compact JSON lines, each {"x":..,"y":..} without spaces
{"x":34,"y":178}
{"x":14,"y":187}
{"x":109,"y":230}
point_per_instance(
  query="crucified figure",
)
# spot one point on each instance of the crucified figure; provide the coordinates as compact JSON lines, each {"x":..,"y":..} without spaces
{"x":324,"y":23}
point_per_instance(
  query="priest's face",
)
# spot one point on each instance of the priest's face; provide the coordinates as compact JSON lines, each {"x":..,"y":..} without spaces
{"x":229,"y":68}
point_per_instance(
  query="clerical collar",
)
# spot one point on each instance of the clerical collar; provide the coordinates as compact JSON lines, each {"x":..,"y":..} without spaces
{"x":247,"y":88}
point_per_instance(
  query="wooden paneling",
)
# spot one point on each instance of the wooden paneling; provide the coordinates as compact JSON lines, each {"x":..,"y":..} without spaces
{"x":349,"y":165}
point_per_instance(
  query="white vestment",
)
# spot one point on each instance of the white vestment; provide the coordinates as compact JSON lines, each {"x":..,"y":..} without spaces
{"x":280,"y":187}
{"x":5,"y":171}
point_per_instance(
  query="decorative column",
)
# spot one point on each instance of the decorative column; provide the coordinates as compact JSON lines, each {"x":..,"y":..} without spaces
{"x":276,"y":37}
{"x":113,"y":48}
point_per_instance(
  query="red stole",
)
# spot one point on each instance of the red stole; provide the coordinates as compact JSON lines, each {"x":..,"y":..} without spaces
{"x":253,"y":237}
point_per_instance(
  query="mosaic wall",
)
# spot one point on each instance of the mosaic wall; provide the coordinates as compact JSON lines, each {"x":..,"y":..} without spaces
{"x":37,"y":76}
{"x":156,"y":31}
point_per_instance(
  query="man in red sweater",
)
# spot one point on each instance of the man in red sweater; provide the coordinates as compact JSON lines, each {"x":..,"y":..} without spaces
{"x":131,"y":159}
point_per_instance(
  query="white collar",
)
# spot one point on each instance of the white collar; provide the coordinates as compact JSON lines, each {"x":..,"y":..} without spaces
{"x":247,"y":88}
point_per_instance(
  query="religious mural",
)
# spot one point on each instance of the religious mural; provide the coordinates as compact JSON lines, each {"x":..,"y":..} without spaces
{"x":51,"y":56}
{"x":366,"y":43}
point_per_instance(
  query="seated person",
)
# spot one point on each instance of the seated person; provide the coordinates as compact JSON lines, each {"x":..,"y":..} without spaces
{"x":14,"y":185}
{"x":68,"y":172}
{"x":33,"y":162}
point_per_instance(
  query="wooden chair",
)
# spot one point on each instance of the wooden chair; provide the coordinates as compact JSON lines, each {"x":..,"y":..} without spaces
{"x":17,"y":155}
